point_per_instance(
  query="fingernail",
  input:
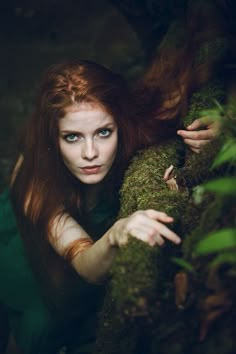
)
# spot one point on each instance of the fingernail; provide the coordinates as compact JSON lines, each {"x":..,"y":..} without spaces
{"x":178,"y":241}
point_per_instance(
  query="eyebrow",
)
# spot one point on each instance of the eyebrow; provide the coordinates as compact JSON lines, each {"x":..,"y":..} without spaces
{"x":104,"y":126}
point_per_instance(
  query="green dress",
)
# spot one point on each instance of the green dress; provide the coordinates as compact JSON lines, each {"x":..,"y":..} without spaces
{"x":35,"y":329}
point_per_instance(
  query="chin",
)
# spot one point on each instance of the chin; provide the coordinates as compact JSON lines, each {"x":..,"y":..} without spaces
{"x":92,"y":179}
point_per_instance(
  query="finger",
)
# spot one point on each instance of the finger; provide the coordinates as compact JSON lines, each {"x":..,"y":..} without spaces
{"x":165,"y":232}
{"x":122,"y":239}
{"x":202,"y":122}
{"x":145,"y":234}
{"x":206,"y":134}
{"x":172,"y":184}
{"x":118,"y":237}
{"x":159,"y":240}
{"x":196,"y":143}
{"x":158,"y":215}
{"x":152,"y":231}
{"x":148,"y":235}
{"x":168,"y":172}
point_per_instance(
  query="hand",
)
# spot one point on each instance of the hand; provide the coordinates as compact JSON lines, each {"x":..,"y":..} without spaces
{"x":145,"y":225}
{"x":170,"y":179}
{"x":199,"y":133}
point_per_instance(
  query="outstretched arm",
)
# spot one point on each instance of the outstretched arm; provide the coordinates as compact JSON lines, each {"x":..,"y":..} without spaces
{"x":94,"y":260}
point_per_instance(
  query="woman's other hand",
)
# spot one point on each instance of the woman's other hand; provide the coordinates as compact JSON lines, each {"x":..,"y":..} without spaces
{"x":146,"y":225}
{"x":199,"y":133}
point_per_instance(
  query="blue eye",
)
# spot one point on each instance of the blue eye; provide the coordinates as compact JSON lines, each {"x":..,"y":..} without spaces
{"x":105,"y":133}
{"x":71,"y":138}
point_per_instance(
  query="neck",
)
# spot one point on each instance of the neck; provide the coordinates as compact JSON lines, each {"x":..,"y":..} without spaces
{"x":91,"y":194}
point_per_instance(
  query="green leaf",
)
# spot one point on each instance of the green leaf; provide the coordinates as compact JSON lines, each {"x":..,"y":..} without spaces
{"x":224,"y":258}
{"x":217,"y":242}
{"x":183,"y":264}
{"x":227,"y":153}
{"x":225,"y":185}
{"x":221,"y":108}
{"x":210,"y":115}
{"x":198,"y":194}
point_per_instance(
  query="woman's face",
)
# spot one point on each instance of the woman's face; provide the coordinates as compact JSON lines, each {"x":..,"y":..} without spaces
{"x":88,"y":139}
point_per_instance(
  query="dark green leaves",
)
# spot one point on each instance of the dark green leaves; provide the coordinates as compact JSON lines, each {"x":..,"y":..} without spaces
{"x":227,"y":153}
{"x":226,"y":185}
{"x":217,"y":242}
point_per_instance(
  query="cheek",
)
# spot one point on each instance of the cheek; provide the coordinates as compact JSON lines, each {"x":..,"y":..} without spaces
{"x":68,"y":153}
{"x":112,"y":149}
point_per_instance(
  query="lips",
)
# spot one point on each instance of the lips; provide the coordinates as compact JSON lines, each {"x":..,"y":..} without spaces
{"x":90,"y":170}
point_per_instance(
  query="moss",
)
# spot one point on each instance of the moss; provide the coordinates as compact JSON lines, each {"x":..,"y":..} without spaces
{"x":141,"y":291}
{"x":138,"y":282}
{"x":112,"y":337}
{"x":204,"y":99}
{"x":140,"y":298}
{"x":144,"y":284}
{"x":144,"y":186}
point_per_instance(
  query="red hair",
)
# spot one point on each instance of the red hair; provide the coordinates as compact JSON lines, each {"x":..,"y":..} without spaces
{"x":177,"y":68}
{"x":43,"y":185}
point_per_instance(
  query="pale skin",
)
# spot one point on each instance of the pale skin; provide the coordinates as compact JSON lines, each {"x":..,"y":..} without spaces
{"x":170,"y":181}
{"x":199,"y":133}
{"x":84,"y":144}
{"x":88,"y":138}
{"x":202,"y":131}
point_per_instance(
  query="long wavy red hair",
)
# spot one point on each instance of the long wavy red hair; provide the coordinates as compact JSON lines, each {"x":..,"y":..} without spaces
{"x":177,"y":68}
{"x":43,"y":186}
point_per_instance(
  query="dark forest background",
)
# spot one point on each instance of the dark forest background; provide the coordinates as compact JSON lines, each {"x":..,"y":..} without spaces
{"x":124,"y":35}
{"x":34,"y":34}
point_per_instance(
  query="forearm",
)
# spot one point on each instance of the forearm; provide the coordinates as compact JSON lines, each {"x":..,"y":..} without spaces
{"x":95,"y":262}
{"x":146,"y":225}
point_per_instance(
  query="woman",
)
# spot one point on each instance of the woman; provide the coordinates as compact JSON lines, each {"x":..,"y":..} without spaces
{"x":65,"y":199}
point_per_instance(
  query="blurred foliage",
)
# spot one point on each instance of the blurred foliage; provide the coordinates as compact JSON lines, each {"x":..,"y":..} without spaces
{"x":224,"y":188}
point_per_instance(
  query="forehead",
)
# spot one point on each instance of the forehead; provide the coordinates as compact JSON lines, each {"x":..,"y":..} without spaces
{"x":83,"y":106}
{"x":84,"y":115}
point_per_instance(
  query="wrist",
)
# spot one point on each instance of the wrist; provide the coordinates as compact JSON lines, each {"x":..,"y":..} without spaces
{"x":112,"y":242}
{"x":115,"y":234}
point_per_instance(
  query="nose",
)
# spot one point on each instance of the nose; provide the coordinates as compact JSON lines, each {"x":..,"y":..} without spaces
{"x":90,"y":150}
